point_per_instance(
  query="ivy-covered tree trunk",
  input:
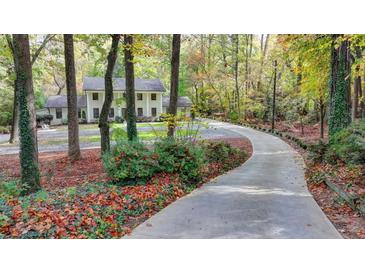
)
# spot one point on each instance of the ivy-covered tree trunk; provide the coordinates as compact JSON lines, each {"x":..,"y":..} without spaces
{"x":129,"y":87}
{"x":103,"y":120}
{"x":174,"y":86}
{"x":72,"y":113}
{"x":27,"y":117}
{"x":340,"y":116}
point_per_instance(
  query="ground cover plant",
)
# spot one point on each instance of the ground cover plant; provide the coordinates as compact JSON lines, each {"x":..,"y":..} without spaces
{"x":80,"y":201}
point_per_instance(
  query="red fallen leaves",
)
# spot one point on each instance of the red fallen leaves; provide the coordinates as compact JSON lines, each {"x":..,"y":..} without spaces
{"x":94,"y":210}
{"x":57,"y":171}
{"x":106,"y":212}
{"x":348,"y":222}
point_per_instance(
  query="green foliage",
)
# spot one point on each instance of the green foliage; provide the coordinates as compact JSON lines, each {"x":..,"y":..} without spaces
{"x":182,"y":157}
{"x":317,"y":152}
{"x":348,"y":145}
{"x":5,"y":118}
{"x":10,"y":189}
{"x":233,"y":116}
{"x":339,"y":117}
{"x":130,"y":162}
{"x":4,"y":130}
{"x":29,"y":164}
{"x":222,"y":152}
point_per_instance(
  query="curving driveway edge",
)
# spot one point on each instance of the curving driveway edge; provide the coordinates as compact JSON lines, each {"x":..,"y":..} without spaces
{"x":266,"y":197}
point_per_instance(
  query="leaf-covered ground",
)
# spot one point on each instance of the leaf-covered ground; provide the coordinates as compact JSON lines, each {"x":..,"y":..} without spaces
{"x":78,"y":202}
{"x":349,"y":178}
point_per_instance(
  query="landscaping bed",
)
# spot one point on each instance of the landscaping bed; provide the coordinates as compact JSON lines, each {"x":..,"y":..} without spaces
{"x":74,"y":204}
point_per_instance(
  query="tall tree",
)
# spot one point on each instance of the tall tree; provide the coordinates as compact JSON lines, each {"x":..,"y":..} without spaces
{"x":27,"y":117}
{"x":14,"y":126}
{"x":340,"y":116}
{"x":72,"y":113}
{"x":236,"y":72}
{"x":174,"y":86}
{"x":129,"y":87}
{"x":103,"y":120}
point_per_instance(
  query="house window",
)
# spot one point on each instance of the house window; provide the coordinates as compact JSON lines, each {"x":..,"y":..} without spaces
{"x":124,"y":113}
{"x":124,"y":95}
{"x":96,"y":113}
{"x":95,"y":96}
{"x":140,"y":111}
{"x":139,"y":96}
{"x":153,"y":96}
{"x":154,"y":112}
{"x":111,"y":113}
{"x":58,"y":113}
{"x":79,"y":113}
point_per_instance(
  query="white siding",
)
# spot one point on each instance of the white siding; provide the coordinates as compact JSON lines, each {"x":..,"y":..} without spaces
{"x":56,"y":121}
{"x":146,"y":104}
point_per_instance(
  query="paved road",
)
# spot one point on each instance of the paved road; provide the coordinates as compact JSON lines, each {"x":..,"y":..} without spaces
{"x":267,"y":197}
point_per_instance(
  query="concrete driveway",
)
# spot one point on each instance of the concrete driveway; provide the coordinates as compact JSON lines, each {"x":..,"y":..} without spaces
{"x":267,"y":197}
{"x":206,"y":132}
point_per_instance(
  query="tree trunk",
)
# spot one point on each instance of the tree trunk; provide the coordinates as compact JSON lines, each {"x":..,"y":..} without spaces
{"x":236,"y":75}
{"x":14,"y":134}
{"x":340,"y":115}
{"x":103,"y":120}
{"x":129,"y":87}
{"x":174,"y":87}
{"x":27,"y":117}
{"x":72,"y":113}
{"x":357,"y":87}
{"x":321,"y":116}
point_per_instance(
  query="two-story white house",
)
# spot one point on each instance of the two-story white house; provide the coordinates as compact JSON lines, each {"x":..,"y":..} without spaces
{"x":149,"y":100}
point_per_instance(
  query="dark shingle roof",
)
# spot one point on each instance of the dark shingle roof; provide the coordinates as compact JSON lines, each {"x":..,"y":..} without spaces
{"x":182,"y":101}
{"x":97,"y":83}
{"x":60,"y":101}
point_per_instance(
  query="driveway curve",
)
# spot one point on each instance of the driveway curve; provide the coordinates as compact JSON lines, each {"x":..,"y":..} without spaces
{"x":266,"y":197}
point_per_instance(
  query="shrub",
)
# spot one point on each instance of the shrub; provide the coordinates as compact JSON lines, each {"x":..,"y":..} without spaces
{"x":130,"y":163}
{"x":317,"y":152}
{"x":10,"y":189}
{"x":4,"y":130}
{"x":182,"y":157}
{"x":119,"y":119}
{"x":221,"y":152}
{"x":348,"y":145}
{"x":233,"y":116}
{"x":119,"y":134}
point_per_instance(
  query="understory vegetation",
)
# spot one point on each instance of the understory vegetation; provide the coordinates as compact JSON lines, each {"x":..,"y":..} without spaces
{"x":142,"y":180}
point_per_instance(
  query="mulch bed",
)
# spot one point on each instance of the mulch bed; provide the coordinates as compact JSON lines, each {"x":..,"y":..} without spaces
{"x":57,"y":171}
{"x":96,"y":209}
